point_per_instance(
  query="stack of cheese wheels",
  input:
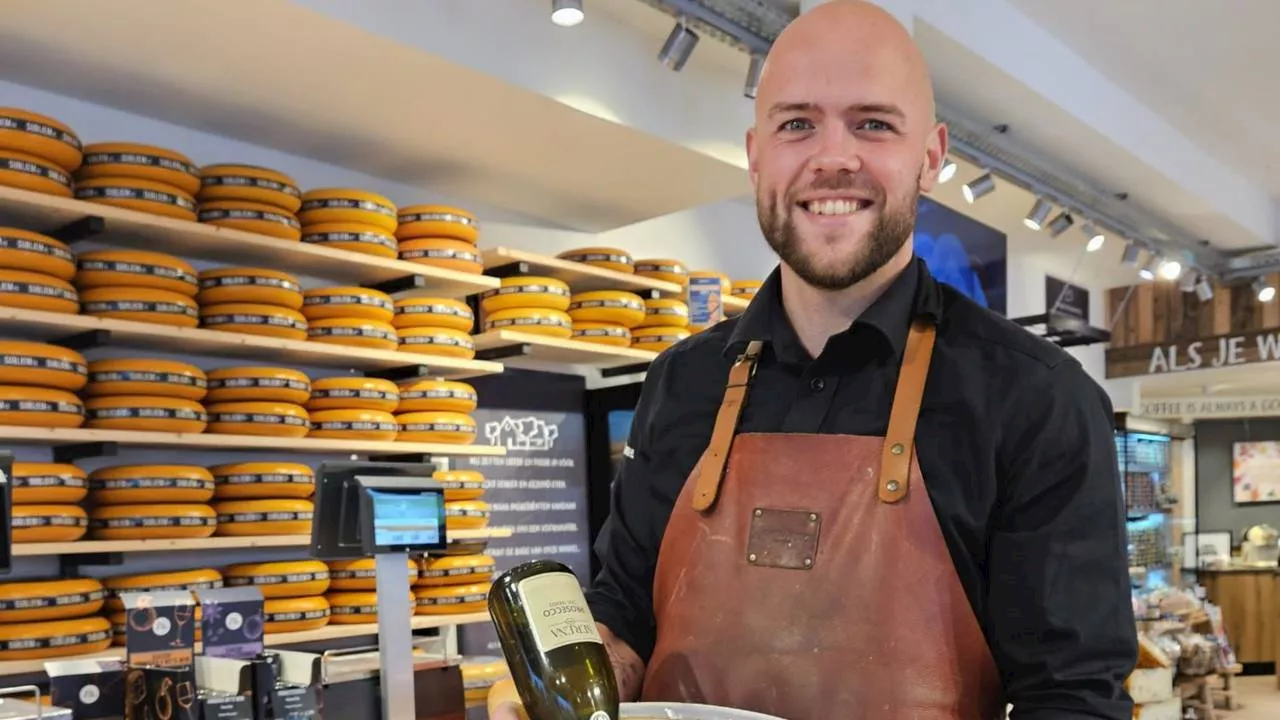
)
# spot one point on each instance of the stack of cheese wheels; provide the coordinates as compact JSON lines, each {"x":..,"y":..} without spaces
{"x":250,"y":198}
{"x":435,"y":326}
{"x":528,"y":304}
{"x":357,"y":607}
{"x":139,"y":177}
{"x":479,"y":673}
{"x":146,"y":394}
{"x":602,"y":257}
{"x":440,"y":236}
{"x":666,"y":322}
{"x":264,"y":498}
{"x":258,"y":401}
{"x":354,"y":589}
{"x":38,"y":384}
{"x":146,"y":502}
{"x":354,"y":408}
{"x":255,"y":301}
{"x":293,"y":592}
{"x":190,"y":581}
{"x":37,"y":152}
{"x":138,"y":285}
{"x":46,"y":499}
{"x":664,"y":269}
{"x":52,"y":618}
{"x":460,"y":484}
{"x":36,"y":270}
{"x":436,"y":411}
{"x":746,"y":289}
{"x":349,"y":219}
{"x":606,"y":317}
{"x":453,"y":584}
{"x":352,"y":316}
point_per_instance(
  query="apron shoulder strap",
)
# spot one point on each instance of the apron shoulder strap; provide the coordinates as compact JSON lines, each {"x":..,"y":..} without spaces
{"x":710,"y":469}
{"x":899,"y":438}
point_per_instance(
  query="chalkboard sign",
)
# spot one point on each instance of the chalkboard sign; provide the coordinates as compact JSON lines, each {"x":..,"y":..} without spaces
{"x":1063,"y":298}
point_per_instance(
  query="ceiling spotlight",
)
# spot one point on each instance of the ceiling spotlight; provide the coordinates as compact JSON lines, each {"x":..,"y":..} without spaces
{"x":948,"y":171}
{"x":753,"y":76}
{"x":1266,"y":292}
{"x":1170,"y":269}
{"x":1096,"y":238}
{"x":1039,"y":213}
{"x":1059,"y":224}
{"x":1132,"y":253}
{"x":975,"y":189}
{"x":1148,"y":271}
{"x":1204,"y":289}
{"x":678,"y":47}
{"x":566,"y":13}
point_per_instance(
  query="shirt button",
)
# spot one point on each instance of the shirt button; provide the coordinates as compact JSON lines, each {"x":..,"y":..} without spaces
{"x":817,"y":384}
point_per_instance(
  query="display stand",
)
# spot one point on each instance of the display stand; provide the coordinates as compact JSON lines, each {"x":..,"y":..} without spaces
{"x":386,"y":510}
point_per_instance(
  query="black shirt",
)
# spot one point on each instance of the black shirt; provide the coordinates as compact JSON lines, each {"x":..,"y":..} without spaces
{"x":1016,"y":445}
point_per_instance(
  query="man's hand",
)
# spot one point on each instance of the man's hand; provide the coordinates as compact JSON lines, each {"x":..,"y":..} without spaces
{"x":628,"y":669}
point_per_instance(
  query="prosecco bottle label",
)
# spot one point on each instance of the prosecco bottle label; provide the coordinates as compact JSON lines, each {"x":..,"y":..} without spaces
{"x":557,"y":611}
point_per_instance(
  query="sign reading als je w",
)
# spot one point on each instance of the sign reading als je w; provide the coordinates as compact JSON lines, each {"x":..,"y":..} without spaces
{"x":1215,"y":352}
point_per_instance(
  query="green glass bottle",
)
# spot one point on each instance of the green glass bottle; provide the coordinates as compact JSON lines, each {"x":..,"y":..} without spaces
{"x":557,"y":660}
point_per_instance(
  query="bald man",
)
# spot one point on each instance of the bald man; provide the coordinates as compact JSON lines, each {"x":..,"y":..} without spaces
{"x":803,"y":526}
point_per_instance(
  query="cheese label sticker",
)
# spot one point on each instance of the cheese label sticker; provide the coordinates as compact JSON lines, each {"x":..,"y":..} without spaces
{"x":236,"y":214}
{"x":705,"y":302}
{"x":247,"y":181}
{"x":8,"y":242}
{"x":49,"y":291}
{"x":557,"y":611}
{"x":129,"y":193}
{"x":8,"y":122}
{"x":133,"y":268}
{"x":31,"y":168}
{"x":349,"y":204}
{"x":347,"y":237}
{"x":130,"y":158}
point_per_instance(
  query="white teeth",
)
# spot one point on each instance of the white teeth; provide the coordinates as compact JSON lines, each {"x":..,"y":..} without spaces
{"x":834,"y":207}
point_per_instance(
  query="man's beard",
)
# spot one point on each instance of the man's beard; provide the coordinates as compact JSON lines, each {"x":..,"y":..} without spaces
{"x":892,"y":228}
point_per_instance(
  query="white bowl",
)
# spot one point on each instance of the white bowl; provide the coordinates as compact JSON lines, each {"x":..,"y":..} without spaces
{"x":686,"y":711}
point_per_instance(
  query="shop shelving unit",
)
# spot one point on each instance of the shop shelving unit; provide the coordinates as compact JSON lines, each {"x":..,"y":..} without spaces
{"x":1144,"y":460}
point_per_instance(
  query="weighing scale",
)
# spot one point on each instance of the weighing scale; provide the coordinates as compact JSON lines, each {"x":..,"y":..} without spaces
{"x":386,"y":510}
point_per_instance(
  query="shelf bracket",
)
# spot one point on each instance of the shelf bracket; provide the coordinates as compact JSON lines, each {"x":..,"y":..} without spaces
{"x":401,"y":284}
{"x":86,"y":340}
{"x":624,"y":369}
{"x":82,"y":229}
{"x":508,"y":270}
{"x":80,"y":451}
{"x":411,"y":458}
{"x":506,"y":351}
{"x":70,"y":564}
{"x":408,"y":372}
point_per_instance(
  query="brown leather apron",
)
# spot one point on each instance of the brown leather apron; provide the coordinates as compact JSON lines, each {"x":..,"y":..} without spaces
{"x":806,"y":576}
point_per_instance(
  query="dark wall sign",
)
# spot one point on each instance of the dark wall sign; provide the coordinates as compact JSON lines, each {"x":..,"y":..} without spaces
{"x":1065,"y":299}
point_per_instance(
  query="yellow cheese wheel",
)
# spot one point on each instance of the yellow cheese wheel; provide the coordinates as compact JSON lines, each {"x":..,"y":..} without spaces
{"x":133,"y":160}
{"x":177,"y":581}
{"x":295,"y":614}
{"x":433,"y":312}
{"x":235,"y":181}
{"x":354,"y":393}
{"x":602,"y":334}
{"x":372,"y":425}
{"x":746,"y":288}
{"x":466,"y":514}
{"x":289,"y":579}
{"x":274,"y":419}
{"x":360,"y":574}
{"x":258,"y":384}
{"x":347,"y":205}
{"x":136,"y":194}
{"x":353,"y":237}
{"x":437,"y":427}
{"x":263,"y":480}
{"x":657,"y":339}
{"x":41,"y":136}
{"x":152,"y":521}
{"x":665,"y":269}
{"x":478,"y":676}
{"x":452,"y":599}
{"x":437,"y":221}
{"x":256,"y":286}
{"x":445,"y":253}
{"x":355,"y":608}
{"x":607,"y":306}
{"x":665,"y":312}
{"x":526,"y":291}
{"x":146,"y":376}
{"x":603,"y":257}
{"x":455,"y":570}
{"x":41,"y":364}
{"x":28,"y":172}
{"x":536,"y":321}
{"x":264,"y":320}
{"x":45,"y":600}
{"x":355,"y":332}
{"x":348,"y":302}
{"x":33,"y":291}
{"x":141,"y":305}
{"x":48,"y":523}
{"x":251,"y":217}
{"x":54,"y":639}
{"x":437,"y":394}
{"x":265,"y":517}
{"x":39,"y":407}
{"x":150,"y":413}
{"x":48,"y":483}
{"x":460,"y":484}
{"x":440,"y":341}
{"x":33,"y":252}
{"x":136,"y":268}
{"x":149,"y":484}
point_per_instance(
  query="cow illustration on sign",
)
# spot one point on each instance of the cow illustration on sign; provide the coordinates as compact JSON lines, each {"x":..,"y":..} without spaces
{"x":526,"y":433}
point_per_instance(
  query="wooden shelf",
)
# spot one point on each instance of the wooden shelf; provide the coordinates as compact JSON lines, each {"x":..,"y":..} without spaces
{"x":52,"y":327}
{"x":131,"y":228}
{"x":88,"y":547}
{"x":15,"y":434}
{"x":580,"y":276}
{"x":735,"y":305}
{"x":537,"y":352}
{"x":328,"y":632}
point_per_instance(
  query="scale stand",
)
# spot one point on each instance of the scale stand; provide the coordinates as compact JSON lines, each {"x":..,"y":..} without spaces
{"x":395,"y":646}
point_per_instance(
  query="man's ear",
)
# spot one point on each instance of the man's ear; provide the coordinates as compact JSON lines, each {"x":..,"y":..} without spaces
{"x":751,"y":156}
{"x":935,"y":156}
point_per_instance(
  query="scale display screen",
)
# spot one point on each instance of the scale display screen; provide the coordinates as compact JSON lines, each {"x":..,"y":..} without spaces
{"x":406,"y":519}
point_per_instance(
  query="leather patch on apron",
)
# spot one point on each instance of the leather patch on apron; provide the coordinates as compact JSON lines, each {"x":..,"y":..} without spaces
{"x":783,"y":538}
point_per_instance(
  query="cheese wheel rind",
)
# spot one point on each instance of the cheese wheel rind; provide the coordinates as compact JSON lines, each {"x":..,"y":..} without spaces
{"x":146,"y":376}
{"x":30,"y":251}
{"x":354,"y":393}
{"x":329,"y":205}
{"x":42,"y":365}
{"x":372,"y":425}
{"x":433,"y":312}
{"x":466,"y":514}
{"x":439,"y":341}
{"x":295,"y":614}
{"x":250,"y":285}
{"x":535,"y":321}
{"x":251,"y":183}
{"x":604,"y":257}
{"x":138,"y":161}
{"x":147,"y":196}
{"x":607,"y":306}
{"x":437,"y":221}
{"x":451,"y":599}
{"x":436,"y":427}
{"x":136,"y":268}
{"x":34,"y":291}
{"x":265,"y":517}
{"x":254,"y":217}
{"x":40,"y":407}
{"x":248,"y":319}
{"x":348,"y":302}
{"x":455,"y":570}
{"x":41,"y":136}
{"x":274,"y":419}
{"x":281,"y":579}
{"x":354,"y":332}
{"x":352,"y":237}
{"x":602,"y":334}
{"x":54,"y":638}
{"x":436,"y":394}
{"x":665,"y":312}
{"x":443,"y":253}
{"x":263,"y":481}
{"x":150,"y":484}
{"x":148,"y":305}
{"x":526,"y":291}
{"x":145,"y":413}
{"x":28,"y":172}
{"x":48,"y":483}
{"x":361,"y":574}
{"x":152,"y":521}
{"x":258,"y":384}
{"x":657,"y":338}
{"x":665,"y":269}
{"x":48,"y":523}
{"x":46,"y":600}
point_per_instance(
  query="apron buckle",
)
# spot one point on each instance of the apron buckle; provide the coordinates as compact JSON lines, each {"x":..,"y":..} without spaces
{"x":786,"y":539}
